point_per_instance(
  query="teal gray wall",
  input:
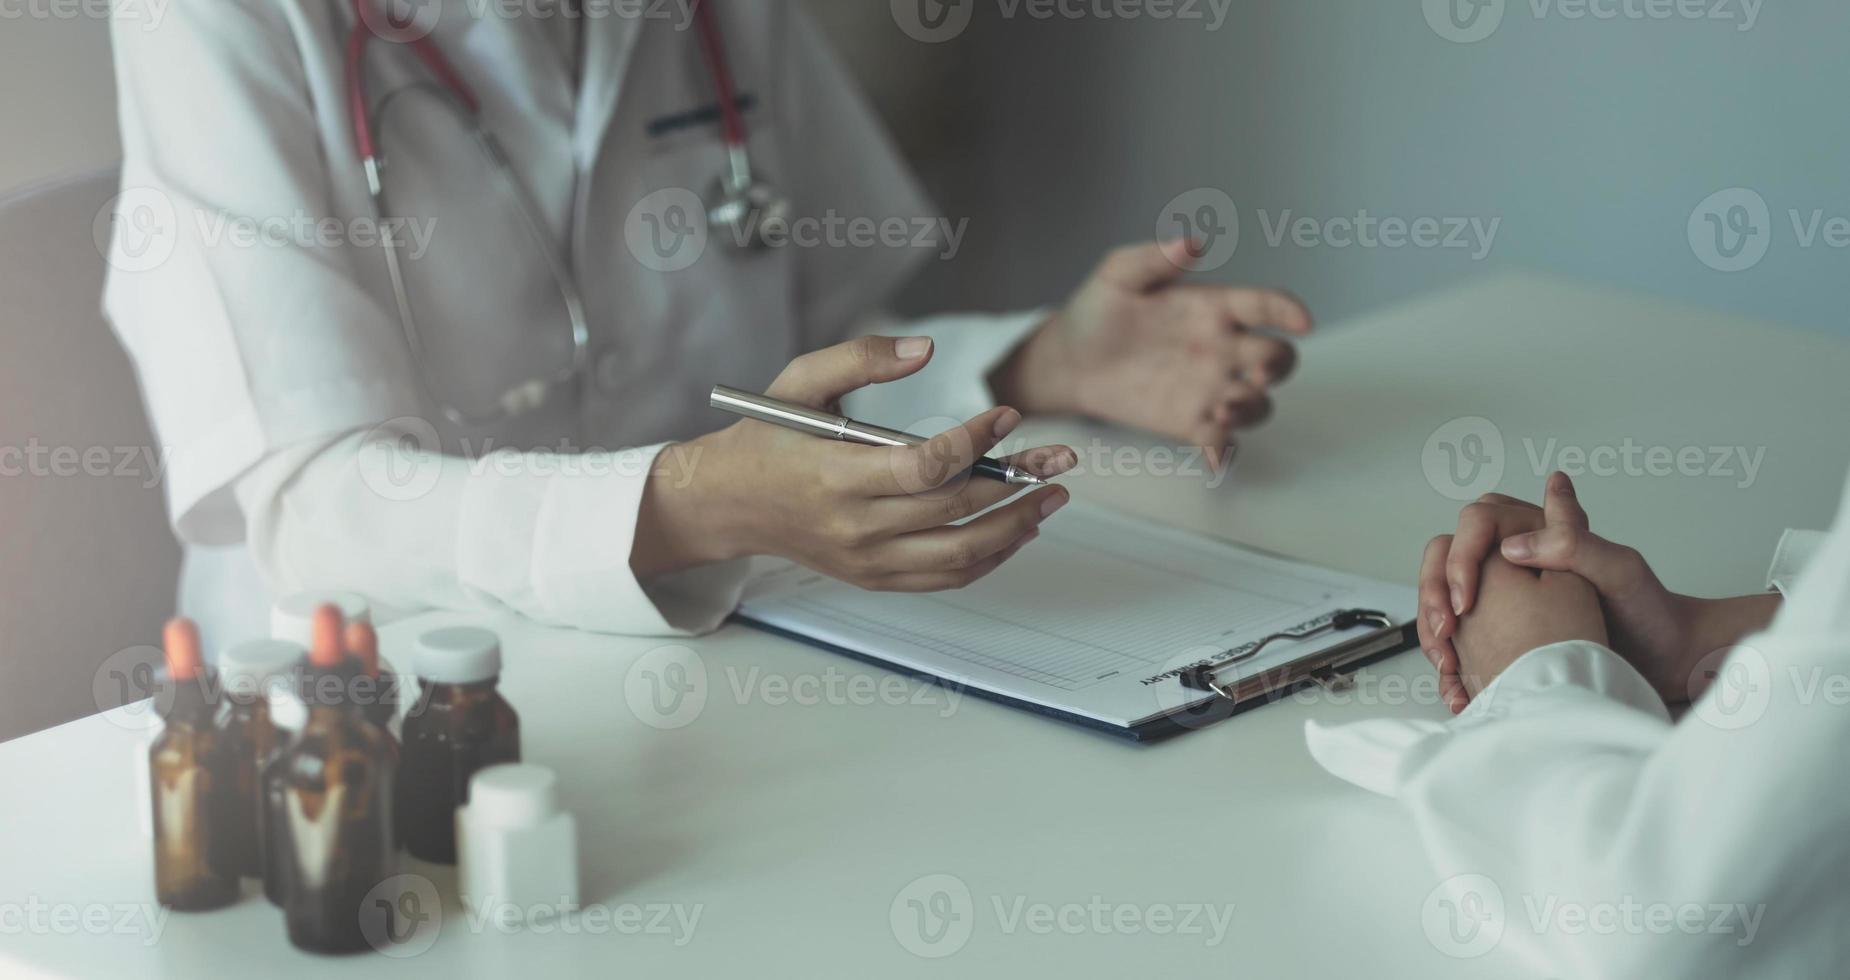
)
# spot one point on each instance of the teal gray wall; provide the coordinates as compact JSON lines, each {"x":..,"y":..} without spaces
{"x":1592,"y":141}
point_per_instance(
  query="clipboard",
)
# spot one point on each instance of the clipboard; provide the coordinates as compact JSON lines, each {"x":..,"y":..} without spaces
{"x":1111,"y":622}
{"x":1331,"y":669}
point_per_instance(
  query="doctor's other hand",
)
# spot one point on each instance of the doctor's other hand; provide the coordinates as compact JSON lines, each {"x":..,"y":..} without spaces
{"x":1138,"y":346}
{"x":1663,"y":634}
{"x":879,"y":518}
{"x":1522,"y":610}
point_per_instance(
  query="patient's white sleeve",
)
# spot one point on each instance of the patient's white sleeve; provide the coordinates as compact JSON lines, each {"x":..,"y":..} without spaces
{"x":1790,"y":559}
{"x":547,"y":535}
{"x":1610,"y":842}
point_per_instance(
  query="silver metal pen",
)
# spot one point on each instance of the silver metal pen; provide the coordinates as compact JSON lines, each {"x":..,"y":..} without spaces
{"x":802,"y":418}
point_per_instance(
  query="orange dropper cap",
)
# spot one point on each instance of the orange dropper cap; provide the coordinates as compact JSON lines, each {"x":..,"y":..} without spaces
{"x":181,"y":639}
{"x":363,"y":644}
{"x":325,"y":649}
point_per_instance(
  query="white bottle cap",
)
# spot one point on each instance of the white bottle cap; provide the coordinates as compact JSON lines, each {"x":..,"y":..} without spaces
{"x":286,"y":708}
{"x":293,"y":616}
{"x":513,"y":795}
{"x":256,"y":666}
{"x":458,"y":655}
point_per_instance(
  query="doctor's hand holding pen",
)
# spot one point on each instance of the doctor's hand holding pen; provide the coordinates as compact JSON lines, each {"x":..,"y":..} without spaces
{"x":1135,"y":345}
{"x":1663,"y":634}
{"x":876,"y":517}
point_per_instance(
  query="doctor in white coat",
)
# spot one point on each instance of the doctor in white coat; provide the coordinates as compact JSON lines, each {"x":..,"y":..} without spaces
{"x":1570,"y":818}
{"x":448,"y":430}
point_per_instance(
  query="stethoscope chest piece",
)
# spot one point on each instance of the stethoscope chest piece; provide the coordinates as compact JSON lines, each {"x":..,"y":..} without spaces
{"x":747,"y":212}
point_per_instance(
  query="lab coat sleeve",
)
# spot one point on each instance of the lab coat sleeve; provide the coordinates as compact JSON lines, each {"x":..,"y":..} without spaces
{"x":1597,"y":839}
{"x":248,"y":334}
{"x":546,"y":535}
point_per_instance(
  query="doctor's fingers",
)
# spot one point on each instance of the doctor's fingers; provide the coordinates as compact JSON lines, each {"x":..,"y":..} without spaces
{"x":1263,"y":360}
{"x":1248,"y":308}
{"x":1213,"y":435}
{"x":1480,"y":526}
{"x":974,"y":495}
{"x":952,"y":557}
{"x":1146,"y":265}
{"x":927,"y":467}
{"x":1256,"y":361}
{"x":1239,"y":405}
{"x":820,"y":378}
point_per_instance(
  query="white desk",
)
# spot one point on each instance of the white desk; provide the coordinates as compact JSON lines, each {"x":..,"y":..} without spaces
{"x":794,"y":827}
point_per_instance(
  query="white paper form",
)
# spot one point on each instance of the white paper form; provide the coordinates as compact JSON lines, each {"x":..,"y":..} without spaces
{"x":1095,"y":618}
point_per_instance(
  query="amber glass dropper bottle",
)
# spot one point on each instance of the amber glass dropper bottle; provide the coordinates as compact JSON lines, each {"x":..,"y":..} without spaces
{"x":337,"y":794}
{"x":187,"y":766}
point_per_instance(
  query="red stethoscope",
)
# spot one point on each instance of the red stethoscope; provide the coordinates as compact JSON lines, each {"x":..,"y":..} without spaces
{"x":748,"y":212}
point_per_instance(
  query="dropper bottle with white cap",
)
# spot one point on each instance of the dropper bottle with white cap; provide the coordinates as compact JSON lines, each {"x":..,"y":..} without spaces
{"x":252,"y":672}
{"x":291,"y":618}
{"x":460,"y":725}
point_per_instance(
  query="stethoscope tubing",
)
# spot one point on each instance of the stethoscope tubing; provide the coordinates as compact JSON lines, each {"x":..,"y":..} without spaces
{"x":523,"y":397}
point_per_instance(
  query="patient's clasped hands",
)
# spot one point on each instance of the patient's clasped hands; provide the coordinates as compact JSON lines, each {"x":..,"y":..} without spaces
{"x":1515,"y":577}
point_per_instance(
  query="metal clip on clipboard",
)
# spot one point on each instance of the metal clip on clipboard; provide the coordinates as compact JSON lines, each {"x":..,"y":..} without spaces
{"x":1329,"y":668}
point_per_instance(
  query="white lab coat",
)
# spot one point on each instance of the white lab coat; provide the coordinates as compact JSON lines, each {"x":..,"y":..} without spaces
{"x":1573,"y":823}
{"x":264,"y":366}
